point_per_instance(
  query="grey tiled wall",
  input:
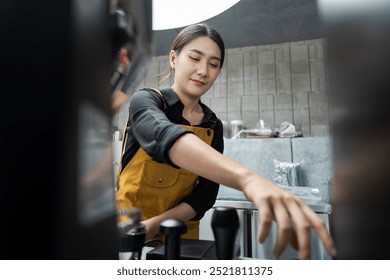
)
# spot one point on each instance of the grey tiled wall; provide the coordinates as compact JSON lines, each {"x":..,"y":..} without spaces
{"x":276,"y":83}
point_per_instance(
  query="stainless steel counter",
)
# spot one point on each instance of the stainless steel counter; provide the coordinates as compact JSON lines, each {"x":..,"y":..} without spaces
{"x":319,"y":208}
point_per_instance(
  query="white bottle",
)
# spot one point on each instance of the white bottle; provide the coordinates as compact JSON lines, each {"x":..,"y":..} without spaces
{"x":236,"y":127}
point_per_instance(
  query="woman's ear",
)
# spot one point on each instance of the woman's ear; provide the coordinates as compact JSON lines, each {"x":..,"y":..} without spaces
{"x":172,"y":57}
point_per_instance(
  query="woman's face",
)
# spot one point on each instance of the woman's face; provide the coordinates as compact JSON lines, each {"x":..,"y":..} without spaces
{"x":196,"y":67}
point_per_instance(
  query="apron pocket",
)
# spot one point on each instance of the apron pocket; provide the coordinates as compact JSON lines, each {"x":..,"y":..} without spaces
{"x":159,"y":175}
{"x":162,"y":187}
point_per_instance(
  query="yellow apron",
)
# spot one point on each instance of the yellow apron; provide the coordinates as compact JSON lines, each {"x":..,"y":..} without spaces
{"x":157,"y":187}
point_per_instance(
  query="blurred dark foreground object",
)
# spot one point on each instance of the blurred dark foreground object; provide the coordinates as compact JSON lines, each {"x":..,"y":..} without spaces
{"x":55,"y":123}
{"x":358,"y":44}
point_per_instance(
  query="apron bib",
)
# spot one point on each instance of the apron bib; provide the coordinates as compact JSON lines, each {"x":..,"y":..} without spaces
{"x":157,"y":187}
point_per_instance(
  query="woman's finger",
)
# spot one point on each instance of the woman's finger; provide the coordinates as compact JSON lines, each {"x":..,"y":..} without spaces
{"x":319,"y":226}
{"x":284,"y":227}
{"x":266,"y":217}
{"x":302,"y":225}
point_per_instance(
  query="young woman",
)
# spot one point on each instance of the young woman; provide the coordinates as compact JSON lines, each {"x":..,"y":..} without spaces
{"x":173,"y":160}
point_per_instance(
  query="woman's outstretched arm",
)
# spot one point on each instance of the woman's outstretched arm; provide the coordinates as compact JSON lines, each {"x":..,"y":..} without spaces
{"x":293,"y":217}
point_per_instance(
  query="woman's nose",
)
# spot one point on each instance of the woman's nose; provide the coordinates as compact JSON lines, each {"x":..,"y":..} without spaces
{"x":202,"y":69}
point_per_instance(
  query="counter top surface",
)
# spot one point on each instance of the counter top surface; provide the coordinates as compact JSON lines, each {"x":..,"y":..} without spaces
{"x":319,"y":208}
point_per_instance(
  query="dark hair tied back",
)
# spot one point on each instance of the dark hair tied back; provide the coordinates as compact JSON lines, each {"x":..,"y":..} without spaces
{"x":194,"y":31}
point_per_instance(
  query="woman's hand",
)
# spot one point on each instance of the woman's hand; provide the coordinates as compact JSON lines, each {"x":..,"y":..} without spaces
{"x":152,"y":228}
{"x":183,"y":212}
{"x":294,"y":218}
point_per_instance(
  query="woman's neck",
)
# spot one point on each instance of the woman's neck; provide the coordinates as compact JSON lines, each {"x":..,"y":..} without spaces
{"x":192,"y":110}
{"x":191,"y":104}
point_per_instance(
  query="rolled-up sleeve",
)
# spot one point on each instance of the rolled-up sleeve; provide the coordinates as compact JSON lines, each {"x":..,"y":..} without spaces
{"x":150,"y":126}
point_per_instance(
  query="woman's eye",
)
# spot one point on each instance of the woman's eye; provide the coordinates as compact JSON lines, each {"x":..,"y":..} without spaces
{"x":213,"y":65}
{"x":194,"y":58}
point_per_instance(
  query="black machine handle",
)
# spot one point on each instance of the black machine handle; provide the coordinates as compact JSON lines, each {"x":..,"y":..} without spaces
{"x":172,"y":229}
{"x":225,"y":226}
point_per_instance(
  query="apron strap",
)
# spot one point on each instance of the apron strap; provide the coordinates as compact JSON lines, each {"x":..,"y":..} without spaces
{"x":164,"y":100}
{"x":118,"y":170}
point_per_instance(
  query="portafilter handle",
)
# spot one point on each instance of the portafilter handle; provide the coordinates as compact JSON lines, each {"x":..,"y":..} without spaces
{"x":132,"y":233}
{"x":225,"y":224}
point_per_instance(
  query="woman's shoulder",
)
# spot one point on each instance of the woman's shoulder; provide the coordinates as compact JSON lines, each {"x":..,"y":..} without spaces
{"x":147,"y":91}
{"x":144,"y":96}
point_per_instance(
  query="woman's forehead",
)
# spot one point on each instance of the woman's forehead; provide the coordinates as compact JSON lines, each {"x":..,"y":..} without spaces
{"x":203,"y":45}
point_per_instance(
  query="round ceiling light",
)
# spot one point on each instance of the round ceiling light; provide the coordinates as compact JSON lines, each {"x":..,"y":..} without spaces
{"x":168,"y":14}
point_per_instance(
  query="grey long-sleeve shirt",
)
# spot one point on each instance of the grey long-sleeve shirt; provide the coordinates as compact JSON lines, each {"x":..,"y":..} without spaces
{"x":153,"y":125}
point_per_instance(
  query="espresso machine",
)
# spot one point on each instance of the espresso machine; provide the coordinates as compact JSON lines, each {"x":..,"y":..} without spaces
{"x":57,"y":193}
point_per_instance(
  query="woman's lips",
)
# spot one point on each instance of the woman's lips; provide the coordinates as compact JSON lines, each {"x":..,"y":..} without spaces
{"x":198,"y":83}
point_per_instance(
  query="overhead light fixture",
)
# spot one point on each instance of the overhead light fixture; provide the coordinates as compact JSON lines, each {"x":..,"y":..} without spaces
{"x":168,"y":14}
